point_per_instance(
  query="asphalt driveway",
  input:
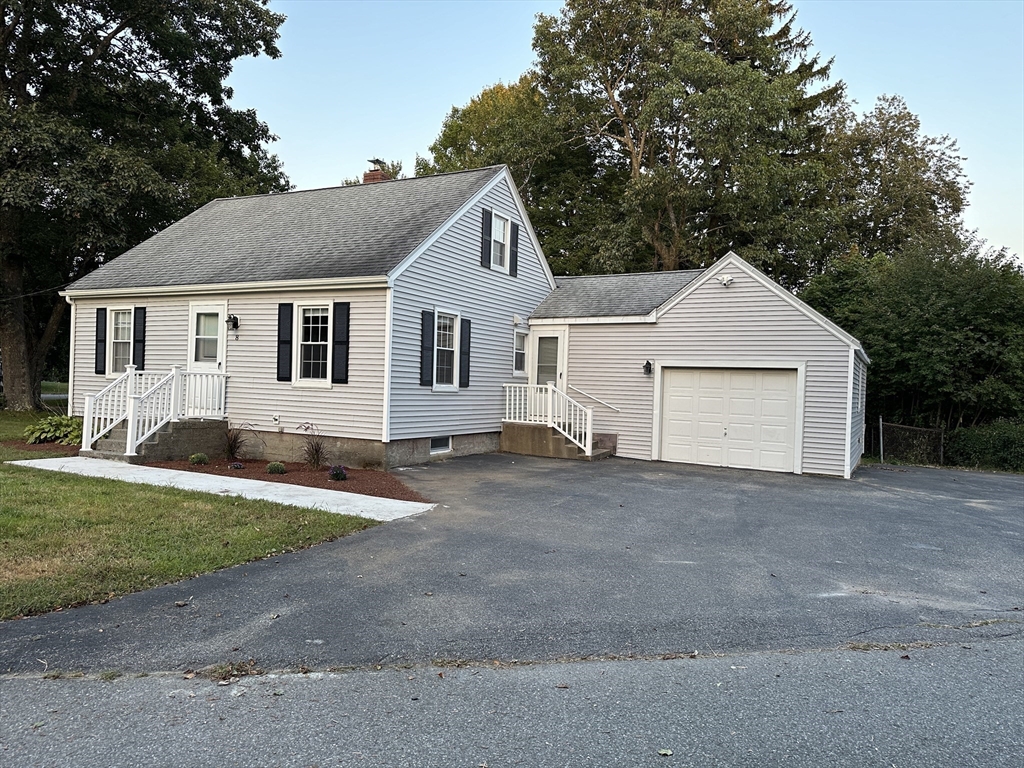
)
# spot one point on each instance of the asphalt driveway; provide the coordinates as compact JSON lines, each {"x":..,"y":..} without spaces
{"x":536,"y":559}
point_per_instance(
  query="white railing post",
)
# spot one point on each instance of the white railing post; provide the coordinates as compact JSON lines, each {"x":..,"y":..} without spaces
{"x":588,"y":432}
{"x":132,"y":379}
{"x":550,"y":404}
{"x":90,"y":401}
{"x":131,"y":423}
{"x":176,"y":393}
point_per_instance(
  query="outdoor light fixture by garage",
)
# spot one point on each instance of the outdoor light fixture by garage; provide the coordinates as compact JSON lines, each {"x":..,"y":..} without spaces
{"x":648,"y":368}
{"x":232,"y":323}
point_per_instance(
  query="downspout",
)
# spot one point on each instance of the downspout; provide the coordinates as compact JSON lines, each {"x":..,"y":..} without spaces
{"x":385,"y":432}
{"x":849,"y":416}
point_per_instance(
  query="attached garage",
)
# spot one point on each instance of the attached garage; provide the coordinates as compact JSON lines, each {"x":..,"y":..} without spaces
{"x":721,"y":367}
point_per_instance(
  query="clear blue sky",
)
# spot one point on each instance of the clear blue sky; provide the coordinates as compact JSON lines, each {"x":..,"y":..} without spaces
{"x":375,"y":79}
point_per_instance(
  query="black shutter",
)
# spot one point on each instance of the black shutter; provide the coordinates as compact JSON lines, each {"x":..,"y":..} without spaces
{"x":464,"y":354}
{"x":284,"y":342}
{"x":139,"y":339}
{"x":485,"y":239}
{"x":101,"y":341}
{"x":339,"y":361}
{"x":513,"y":252}
{"x":427,"y":348}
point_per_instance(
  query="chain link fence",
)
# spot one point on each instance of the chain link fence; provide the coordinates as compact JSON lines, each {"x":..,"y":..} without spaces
{"x":907,"y":445}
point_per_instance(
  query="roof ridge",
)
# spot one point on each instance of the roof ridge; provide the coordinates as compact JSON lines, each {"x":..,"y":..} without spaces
{"x":631,"y":274}
{"x":353,"y":186}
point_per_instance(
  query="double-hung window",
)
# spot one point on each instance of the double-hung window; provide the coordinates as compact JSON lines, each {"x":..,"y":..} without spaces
{"x":444,"y":349}
{"x":313,"y":345}
{"x":519,"y":354}
{"x":499,"y":243}
{"x":120,"y":340}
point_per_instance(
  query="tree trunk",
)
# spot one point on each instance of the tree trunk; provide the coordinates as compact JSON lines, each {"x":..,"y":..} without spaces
{"x":21,"y":376}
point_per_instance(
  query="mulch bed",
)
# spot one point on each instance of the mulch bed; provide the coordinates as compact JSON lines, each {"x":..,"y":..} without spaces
{"x":369,"y":482}
{"x":67,"y":450}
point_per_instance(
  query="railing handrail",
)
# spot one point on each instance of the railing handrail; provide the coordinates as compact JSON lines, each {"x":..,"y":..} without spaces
{"x":162,"y":416}
{"x":546,"y":404}
{"x":598,"y":399}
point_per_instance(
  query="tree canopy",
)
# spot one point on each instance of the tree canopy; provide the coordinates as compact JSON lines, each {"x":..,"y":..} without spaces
{"x":114,"y":122}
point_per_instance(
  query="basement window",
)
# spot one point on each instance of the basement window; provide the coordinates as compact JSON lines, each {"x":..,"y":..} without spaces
{"x":441,"y":444}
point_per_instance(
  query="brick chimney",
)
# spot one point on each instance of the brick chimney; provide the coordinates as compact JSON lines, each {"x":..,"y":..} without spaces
{"x":372,"y":177}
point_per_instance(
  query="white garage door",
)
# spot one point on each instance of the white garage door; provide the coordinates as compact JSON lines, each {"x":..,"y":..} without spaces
{"x":729,"y":417}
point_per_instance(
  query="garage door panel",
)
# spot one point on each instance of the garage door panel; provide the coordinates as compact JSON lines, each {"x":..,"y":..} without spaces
{"x":730,"y":417}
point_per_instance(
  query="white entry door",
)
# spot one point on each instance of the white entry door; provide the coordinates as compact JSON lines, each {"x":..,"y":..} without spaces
{"x":726,"y":417}
{"x":549,"y":358}
{"x":207,"y":334}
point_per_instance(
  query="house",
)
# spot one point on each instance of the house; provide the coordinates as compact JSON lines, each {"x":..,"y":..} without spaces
{"x":388,"y":314}
{"x":720,"y":366}
{"x":417,"y":319}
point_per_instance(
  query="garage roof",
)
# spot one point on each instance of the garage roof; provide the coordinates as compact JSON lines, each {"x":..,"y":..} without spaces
{"x":613,"y":295}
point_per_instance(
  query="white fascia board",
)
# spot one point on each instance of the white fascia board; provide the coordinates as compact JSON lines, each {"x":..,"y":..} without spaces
{"x":529,"y":227}
{"x":397,"y":271}
{"x":732,"y":259}
{"x":634,"y":319}
{"x":371,"y":281}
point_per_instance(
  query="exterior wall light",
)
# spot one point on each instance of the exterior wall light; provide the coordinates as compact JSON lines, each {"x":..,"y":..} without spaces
{"x":232,"y":323}
{"x":648,"y":368}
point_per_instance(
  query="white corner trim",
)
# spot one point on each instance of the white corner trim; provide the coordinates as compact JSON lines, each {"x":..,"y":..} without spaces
{"x":800,"y":366}
{"x":374,"y":281}
{"x":847,"y":470}
{"x":404,"y":264}
{"x":733,"y":260}
{"x":389,"y":308}
{"x":71,"y":353}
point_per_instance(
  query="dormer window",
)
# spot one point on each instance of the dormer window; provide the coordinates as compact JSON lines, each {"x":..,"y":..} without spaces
{"x":499,"y":243}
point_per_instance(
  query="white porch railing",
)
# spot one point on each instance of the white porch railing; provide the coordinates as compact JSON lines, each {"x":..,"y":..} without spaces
{"x":166,"y":397}
{"x":546,"y":404}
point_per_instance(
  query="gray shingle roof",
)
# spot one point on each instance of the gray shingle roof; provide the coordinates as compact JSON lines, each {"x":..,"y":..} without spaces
{"x":337,"y":232}
{"x":613,"y":295}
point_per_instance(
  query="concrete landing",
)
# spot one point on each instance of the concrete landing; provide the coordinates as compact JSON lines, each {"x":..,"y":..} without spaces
{"x":338,"y":502}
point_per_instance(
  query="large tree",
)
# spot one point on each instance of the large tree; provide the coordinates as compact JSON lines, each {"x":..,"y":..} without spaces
{"x":713,"y":109}
{"x":114,"y":122}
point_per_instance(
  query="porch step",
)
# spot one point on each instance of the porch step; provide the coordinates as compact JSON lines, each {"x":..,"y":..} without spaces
{"x":542,"y":440}
{"x":174,"y":440}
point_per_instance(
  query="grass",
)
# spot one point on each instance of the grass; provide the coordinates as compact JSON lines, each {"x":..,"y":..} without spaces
{"x":67,"y":540}
{"x":55,"y":387}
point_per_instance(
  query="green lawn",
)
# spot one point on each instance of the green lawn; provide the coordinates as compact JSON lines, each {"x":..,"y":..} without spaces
{"x":55,"y":387}
{"x":66,"y":539}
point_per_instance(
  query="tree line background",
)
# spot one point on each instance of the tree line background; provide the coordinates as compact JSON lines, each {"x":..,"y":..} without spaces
{"x":649,"y":135}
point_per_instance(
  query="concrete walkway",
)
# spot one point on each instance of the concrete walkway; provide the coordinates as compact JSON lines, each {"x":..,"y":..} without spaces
{"x":339,"y":502}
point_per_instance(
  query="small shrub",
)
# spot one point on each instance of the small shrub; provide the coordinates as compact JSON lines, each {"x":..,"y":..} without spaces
{"x":337,"y":472}
{"x":239,"y":436}
{"x":999,"y":445}
{"x":236,"y":465}
{"x":198,"y":458}
{"x":314,"y":449}
{"x":65,"y":430}
{"x":275,"y":468}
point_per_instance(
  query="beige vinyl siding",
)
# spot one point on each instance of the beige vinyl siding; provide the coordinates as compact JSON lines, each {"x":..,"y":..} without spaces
{"x":254,"y":395}
{"x":448,"y":276}
{"x":745,"y":321}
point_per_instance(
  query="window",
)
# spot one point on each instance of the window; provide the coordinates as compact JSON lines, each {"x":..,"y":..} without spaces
{"x":519,"y":354}
{"x":499,"y":243}
{"x":207,"y":337}
{"x":441,"y":444}
{"x":313,"y":344}
{"x":120,"y":340}
{"x":444,"y":349}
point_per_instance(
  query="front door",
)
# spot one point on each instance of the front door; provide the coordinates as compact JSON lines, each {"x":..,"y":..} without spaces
{"x":207,"y":337}
{"x":549,"y":358}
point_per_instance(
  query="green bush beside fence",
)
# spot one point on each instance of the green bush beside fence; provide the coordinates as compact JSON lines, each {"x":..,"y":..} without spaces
{"x":999,"y":445}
